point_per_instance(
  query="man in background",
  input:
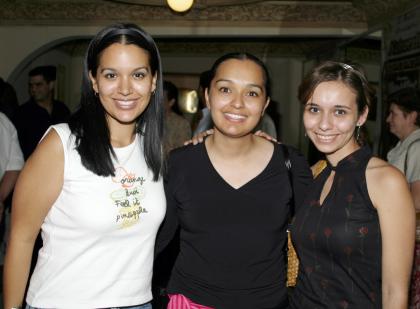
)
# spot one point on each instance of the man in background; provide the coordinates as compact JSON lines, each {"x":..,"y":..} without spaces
{"x":34,"y":117}
{"x":8,"y":99}
{"x":203,"y":121}
{"x":177,"y":128}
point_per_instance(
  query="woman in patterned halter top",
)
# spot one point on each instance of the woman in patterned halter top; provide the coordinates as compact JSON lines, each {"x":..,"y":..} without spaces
{"x":354,"y":234}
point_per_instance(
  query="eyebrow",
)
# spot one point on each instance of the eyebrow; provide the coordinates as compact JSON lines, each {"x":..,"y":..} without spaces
{"x":249,"y":85}
{"x":113,"y":70}
{"x":336,"y":106}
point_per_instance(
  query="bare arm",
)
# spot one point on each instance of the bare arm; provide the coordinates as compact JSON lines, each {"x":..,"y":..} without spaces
{"x":391,"y":196}
{"x":37,"y":188}
{"x":415,"y":193}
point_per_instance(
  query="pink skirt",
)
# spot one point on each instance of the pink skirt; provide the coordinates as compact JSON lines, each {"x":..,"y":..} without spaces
{"x":179,"y":301}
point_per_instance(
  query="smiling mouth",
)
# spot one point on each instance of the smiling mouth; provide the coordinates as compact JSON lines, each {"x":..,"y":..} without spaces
{"x":234,"y":117}
{"x":325,"y":138}
{"x":125,"y":102}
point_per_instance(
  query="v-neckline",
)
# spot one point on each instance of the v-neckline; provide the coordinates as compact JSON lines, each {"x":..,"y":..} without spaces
{"x":214,"y":170}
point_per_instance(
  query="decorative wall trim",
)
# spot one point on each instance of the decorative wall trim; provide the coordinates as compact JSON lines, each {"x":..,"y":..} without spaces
{"x":287,"y":14}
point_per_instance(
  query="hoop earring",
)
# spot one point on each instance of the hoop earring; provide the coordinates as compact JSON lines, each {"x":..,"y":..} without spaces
{"x":96,"y":94}
{"x":358,"y":132}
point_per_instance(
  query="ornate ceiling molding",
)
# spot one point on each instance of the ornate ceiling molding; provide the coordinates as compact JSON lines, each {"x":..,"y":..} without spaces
{"x":288,"y":14}
{"x":379,"y":12}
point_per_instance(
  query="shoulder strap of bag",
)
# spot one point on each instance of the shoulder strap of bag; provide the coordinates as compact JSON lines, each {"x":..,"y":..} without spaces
{"x":318,"y":167}
{"x":288,"y":164}
{"x":406,"y":154}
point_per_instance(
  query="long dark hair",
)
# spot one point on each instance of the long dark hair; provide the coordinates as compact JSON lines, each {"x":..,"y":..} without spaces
{"x":89,"y":123}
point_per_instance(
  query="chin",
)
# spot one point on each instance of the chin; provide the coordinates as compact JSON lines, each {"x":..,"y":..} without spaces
{"x":326,"y":148}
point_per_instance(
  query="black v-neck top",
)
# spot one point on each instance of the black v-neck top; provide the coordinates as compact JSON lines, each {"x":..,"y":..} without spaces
{"x":231,"y":240}
{"x":339,"y":242}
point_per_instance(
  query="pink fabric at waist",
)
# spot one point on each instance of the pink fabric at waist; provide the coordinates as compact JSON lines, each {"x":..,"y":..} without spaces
{"x":179,"y":301}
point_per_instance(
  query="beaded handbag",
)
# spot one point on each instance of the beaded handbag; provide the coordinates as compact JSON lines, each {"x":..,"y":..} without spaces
{"x":292,"y":259}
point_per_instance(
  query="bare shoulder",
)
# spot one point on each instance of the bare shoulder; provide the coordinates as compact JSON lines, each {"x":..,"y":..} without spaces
{"x":384,"y":181}
{"x":49,"y":154}
{"x":381,"y":171}
{"x":47,"y":164}
{"x":264,"y":144}
{"x":51,"y":143}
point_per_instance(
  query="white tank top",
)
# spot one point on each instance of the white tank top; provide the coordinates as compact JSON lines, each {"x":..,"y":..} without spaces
{"x":99,"y":235}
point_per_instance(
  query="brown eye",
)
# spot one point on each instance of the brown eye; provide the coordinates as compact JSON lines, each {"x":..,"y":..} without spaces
{"x":313,"y":109}
{"x":224,"y":90}
{"x":340,"y":112}
{"x":110,"y":75}
{"x":139,"y":75}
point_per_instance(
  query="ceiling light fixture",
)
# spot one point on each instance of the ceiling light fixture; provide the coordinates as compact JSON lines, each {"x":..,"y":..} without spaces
{"x":180,"y":5}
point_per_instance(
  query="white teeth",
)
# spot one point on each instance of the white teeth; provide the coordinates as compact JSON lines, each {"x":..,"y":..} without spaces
{"x":235,"y":116}
{"x":325,"y":138}
{"x":125,"y":102}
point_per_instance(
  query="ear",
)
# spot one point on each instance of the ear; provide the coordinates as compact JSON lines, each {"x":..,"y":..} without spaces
{"x":51,"y":85}
{"x":265,"y":106}
{"x":94,"y":83}
{"x":206,"y":97}
{"x":363,"y":117}
{"x":171,"y":102}
{"x":413,"y":116}
{"x":154,"y":80}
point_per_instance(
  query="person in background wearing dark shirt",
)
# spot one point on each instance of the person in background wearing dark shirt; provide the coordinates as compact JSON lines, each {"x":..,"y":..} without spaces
{"x":231,"y":198}
{"x":8,"y":99}
{"x":34,"y":117}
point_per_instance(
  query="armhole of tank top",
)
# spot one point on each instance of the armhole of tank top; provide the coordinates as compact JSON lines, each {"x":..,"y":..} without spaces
{"x":65,"y":137}
{"x":366,"y":191}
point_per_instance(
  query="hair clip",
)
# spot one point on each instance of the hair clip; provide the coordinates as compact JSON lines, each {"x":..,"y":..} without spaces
{"x":346,"y":66}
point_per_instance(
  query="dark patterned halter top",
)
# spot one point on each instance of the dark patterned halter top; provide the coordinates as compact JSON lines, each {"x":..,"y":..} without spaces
{"x":339,"y":242}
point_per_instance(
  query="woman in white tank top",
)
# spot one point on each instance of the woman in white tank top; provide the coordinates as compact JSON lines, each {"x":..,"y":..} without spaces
{"x":94,"y":187}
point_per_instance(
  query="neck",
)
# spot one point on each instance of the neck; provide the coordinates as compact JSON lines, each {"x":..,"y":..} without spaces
{"x":230,"y":147}
{"x":47,"y":104}
{"x":335,"y":157}
{"x":408,"y":132}
{"x":122,"y":137}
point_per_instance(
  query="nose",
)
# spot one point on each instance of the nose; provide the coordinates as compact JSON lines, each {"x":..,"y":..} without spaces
{"x":124,"y":86}
{"x":237,"y":100}
{"x":325,"y":122}
{"x":388,"y":118}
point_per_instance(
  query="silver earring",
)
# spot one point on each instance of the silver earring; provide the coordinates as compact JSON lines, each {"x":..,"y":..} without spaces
{"x":96,"y":94}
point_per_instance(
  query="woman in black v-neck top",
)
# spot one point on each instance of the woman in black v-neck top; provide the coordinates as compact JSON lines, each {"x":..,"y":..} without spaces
{"x":230,"y":197}
{"x":354,"y":232}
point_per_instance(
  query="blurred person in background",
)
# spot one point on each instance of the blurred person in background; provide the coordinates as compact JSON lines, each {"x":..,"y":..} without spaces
{"x":35,"y":116}
{"x":177,"y":128}
{"x":404,"y":122}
